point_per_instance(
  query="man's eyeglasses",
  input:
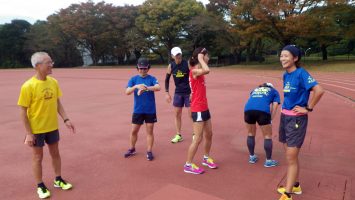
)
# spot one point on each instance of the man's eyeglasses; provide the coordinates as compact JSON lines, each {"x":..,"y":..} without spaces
{"x":47,"y":63}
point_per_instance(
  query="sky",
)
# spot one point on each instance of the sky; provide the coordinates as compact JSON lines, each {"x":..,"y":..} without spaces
{"x":33,"y":10}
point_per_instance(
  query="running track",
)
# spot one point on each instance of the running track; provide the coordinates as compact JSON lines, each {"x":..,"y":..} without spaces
{"x":93,"y":158}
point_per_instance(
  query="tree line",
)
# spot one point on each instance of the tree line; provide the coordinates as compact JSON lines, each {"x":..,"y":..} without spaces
{"x":233,"y":30}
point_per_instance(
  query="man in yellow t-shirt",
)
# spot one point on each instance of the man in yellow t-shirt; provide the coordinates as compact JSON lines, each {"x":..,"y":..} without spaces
{"x":40,"y":104}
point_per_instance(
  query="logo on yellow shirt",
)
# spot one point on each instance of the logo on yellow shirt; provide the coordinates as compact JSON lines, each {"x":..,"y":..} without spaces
{"x":47,"y":93}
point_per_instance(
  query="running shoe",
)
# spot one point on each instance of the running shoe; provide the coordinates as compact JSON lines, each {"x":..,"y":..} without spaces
{"x":130,"y":153}
{"x":177,"y":138}
{"x":193,"y":169}
{"x":209,"y":163}
{"x":270,"y":163}
{"x":150,"y":156}
{"x":43,"y":192}
{"x":285,"y":197}
{"x":62,"y":184}
{"x":295,"y":190}
{"x":253,"y":159}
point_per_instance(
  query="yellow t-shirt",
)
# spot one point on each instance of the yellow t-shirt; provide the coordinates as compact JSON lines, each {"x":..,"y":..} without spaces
{"x":41,"y":99}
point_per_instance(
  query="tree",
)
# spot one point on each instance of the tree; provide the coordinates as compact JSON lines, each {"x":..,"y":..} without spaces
{"x":282,"y":19}
{"x":126,"y":38}
{"x":89,"y":24}
{"x":203,"y":29}
{"x":165,"y":21}
{"x":12,"y":39}
{"x":333,"y":23}
{"x":48,"y":37}
{"x":250,"y":30}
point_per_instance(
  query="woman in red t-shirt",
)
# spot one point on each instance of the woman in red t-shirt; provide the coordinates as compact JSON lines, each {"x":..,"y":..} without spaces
{"x":199,"y":111}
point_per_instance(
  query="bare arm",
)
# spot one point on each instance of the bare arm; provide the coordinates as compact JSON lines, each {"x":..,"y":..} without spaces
{"x":64,"y":116}
{"x":154,"y":88}
{"x":168,"y":71}
{"x":317,"y":95}
{"x":130,"y":90}
{"x":318,"y":92}
{"x":204,"y":67}
{"x":274,"y":107}
{"x":29,"y":139}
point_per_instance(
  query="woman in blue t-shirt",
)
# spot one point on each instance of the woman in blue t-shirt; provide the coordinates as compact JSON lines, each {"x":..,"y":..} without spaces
{"x":297,"y":85}
{"x":261,"y":108}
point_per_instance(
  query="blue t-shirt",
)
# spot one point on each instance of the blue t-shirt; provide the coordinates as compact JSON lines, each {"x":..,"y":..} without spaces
{"x":145,"y":103}
{"x":261,"y":98}
{"x":297,"y":87}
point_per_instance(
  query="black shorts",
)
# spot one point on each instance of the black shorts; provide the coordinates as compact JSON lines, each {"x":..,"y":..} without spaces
{"x":49,"y":137}
{"x":293,"y":130}
{"x":139,"y":118}
{"x":201,"y":116}
{"x":253,"y":116}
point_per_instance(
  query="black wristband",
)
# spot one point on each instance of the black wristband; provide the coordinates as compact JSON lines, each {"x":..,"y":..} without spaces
{"x":309,"y":109}
{"x":66,"y":120}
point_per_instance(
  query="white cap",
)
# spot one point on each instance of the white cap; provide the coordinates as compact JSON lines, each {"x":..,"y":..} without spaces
{"x":175,"y":51}
{"x":270,"y":85}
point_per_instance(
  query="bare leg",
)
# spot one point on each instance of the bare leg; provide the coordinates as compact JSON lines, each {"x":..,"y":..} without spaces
{"x":178,"y":113}
{"x":267,"y":131}
{"x":208,"y":137}
{"x":37,"y":157}
{"x":56,"y":160}
{"x":293,"y":167}
{"x":198,"y":130}
{"x":251,"y":128}
{"x":150,"y":136}
{"x":134,"y":135}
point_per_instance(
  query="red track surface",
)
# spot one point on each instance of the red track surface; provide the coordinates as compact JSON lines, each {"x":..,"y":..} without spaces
{"x":93,"y":158}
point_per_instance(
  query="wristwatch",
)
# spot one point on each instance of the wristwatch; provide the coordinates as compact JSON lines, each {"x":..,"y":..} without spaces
{"x":309,"y":109}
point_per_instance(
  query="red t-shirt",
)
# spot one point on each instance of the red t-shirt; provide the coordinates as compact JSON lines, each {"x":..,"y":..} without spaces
{"x":198,"y":93}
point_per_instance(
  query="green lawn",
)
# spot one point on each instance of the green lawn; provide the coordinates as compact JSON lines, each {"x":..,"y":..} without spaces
{"x":325,"y":66}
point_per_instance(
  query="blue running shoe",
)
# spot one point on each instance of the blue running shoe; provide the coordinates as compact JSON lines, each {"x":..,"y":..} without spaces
{"x":150,"y":156}
{"x":271,"y":163}
{"x":253,"y":159}
{"x":130,"y":153}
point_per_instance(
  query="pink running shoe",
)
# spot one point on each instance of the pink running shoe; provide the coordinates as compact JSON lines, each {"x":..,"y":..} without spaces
{"x":193,"y":169}
{"x":209,"y":163}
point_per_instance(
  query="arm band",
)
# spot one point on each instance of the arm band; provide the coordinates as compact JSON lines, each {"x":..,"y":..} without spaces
{"x":167,"y":80}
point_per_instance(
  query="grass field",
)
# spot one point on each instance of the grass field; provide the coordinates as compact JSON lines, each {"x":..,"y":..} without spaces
{"x":324,"y":66}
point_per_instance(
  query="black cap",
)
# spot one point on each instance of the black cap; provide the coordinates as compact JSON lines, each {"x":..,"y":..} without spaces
{"x":143,"y":63}
{"x":294,"y":50}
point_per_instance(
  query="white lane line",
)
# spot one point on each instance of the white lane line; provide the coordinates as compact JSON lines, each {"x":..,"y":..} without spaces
{"x":339,"y":79}
{"x":353,"y":90}
{"x":337,"y":82}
